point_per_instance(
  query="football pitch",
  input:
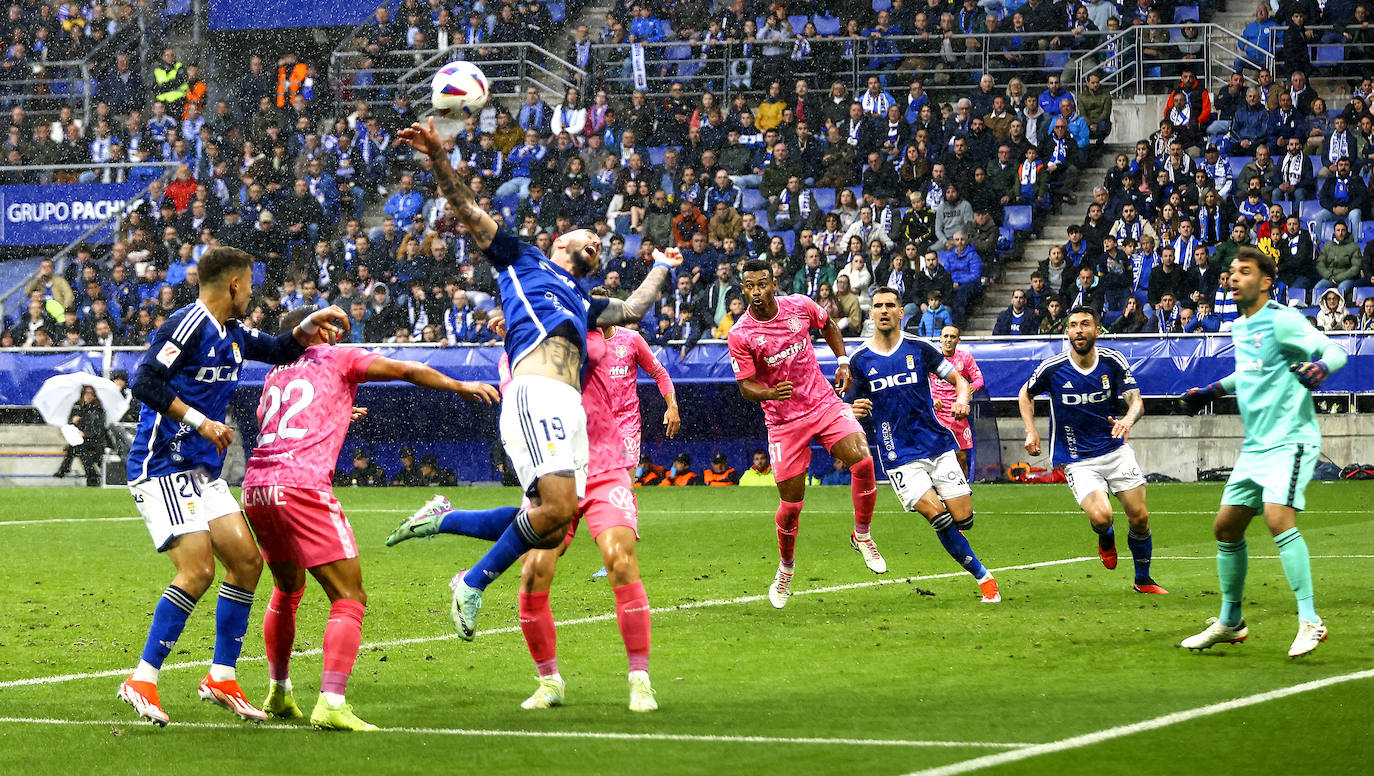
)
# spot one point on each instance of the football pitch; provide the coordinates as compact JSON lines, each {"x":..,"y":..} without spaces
{"x":898,"y":674}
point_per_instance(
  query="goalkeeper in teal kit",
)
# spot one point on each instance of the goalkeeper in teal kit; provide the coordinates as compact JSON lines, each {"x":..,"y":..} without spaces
{"x":1280,"y":358}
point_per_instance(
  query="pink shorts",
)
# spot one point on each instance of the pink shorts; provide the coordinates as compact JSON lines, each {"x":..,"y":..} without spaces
{"x":609,"y":503}
{"x":298,"y":525}
{"x":789,"y":445}
{"x":963,"y":433}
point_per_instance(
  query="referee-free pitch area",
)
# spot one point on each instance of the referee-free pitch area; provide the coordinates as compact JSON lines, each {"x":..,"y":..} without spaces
{"x":903,"y":673}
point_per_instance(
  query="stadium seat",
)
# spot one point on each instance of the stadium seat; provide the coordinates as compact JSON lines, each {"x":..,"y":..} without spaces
{"x":825,"y":200}
{"x":1311,"y":312}
{"x":632,"y":243}
{"x":1238,"y":163}
{"x":1055,"y":62}
{"x":1017,"y":218}
{"x":1325,"y":233}
{"x":1308,"y":209}
{"x":1361,"y":293}
{"x":1297,"y":297}
{"x":882,"y":5}
{"x":486,"y":304}
{"x":858,"y":192}
{"x":1328,"y":54}
{"x":1285,"y":205}
{"x":798,"y":22}
{"x":1366,"y":232}
{"x":1317,"y":163}
{"x":656,"y":155}
{"x":558,"y":11}
{"x":789,"y":238}
{"x":752,"y":200}
{"x":826,"y":24}
{"x":1110,"y":316}
{"x":259,"y":273}
{"x":1187,"y":13}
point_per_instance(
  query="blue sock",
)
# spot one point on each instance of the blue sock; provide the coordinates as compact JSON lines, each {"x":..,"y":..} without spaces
{"x":517,"y":539}
{"x":957,"y":545}
{"x":231,"y":623}
{"x":1142,"y":547}
{"x":478,"y":523}
{"x":169,"y":619}
{"x":1106,"y":537}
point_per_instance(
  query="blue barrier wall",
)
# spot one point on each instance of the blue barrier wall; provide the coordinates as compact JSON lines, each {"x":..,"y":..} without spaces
{"x":714,"y":417}
{"x":271,"y":14}
{"x":57,"y":214}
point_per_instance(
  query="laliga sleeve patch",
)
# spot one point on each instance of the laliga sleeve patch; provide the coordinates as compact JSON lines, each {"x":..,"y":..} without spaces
{"x":168,"y":355}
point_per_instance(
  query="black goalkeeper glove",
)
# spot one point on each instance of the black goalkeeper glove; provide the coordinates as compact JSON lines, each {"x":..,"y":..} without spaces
{"x":1195,"y":399}
{"x":1311,"y":373}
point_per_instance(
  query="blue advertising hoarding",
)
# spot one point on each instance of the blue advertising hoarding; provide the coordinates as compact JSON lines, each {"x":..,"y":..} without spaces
{"x":269,"y":14}
{"x":59,"y":213}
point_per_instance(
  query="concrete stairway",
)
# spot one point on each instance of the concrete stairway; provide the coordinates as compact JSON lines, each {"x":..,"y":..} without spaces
{"x":1017,"y":275}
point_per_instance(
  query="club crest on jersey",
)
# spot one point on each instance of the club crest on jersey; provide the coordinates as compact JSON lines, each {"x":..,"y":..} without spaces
{"x":620,"y":351}
{"x":910,"y":362}
{"x":238,"y":356}
{"x":1106,"y":383}
{"x":793,"y":325}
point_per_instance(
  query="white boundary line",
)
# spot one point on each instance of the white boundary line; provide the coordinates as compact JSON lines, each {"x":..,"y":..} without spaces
{"x":575,"y":734}
{"x":1088,"y":739}
{"x":60,"y":678}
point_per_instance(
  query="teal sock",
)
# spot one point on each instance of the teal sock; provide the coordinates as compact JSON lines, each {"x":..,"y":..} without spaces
{"x":1232,"y":561}
{"x":1297,"y":566}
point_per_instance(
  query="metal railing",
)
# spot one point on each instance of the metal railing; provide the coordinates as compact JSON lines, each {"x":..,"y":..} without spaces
{"x":510,"y":68}
{"x":1142,"y":60}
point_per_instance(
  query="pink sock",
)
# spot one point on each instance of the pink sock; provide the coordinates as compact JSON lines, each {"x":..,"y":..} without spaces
{"x":279,"y":631}
{"x":536,"y":622}
{"x":632,"y":614}
{"x":789,"y":514}
{"x":864,"y":490}
{"x":342,"y":635}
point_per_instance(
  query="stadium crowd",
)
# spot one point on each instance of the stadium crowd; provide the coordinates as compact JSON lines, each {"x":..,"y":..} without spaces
{"x":932,"y":193}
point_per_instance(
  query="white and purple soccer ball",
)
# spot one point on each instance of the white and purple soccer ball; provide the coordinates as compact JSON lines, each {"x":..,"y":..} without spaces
{"x":460,"y":89}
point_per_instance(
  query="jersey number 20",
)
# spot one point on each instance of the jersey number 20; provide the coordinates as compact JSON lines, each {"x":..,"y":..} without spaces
{"x":276,"y":397}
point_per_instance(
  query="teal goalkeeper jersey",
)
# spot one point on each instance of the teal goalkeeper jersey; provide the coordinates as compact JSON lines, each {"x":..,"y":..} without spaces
{"x":1275,"y":408}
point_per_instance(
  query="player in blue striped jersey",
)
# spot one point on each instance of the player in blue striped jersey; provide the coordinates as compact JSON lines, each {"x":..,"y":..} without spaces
{"x":185,"y":381}
{"x":1088,"y":387}
{"x":919,"y":454}
{"x":546,"y":315}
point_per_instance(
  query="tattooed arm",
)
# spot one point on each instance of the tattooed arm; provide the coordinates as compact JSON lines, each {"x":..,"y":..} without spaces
{"x":634,"y":307}
{"x":461,"y":199}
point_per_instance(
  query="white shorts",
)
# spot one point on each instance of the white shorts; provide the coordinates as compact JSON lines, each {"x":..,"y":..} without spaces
{"x":544,"y":430}
{"x":182,"y":503}
{"x":912,"y":480}
{"x":1114,"y":472}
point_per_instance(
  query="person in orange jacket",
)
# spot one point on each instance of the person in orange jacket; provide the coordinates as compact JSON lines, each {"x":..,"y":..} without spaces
{"x":647,"y":472}
{"x":721,"y":473}
{"x":681,"y":473}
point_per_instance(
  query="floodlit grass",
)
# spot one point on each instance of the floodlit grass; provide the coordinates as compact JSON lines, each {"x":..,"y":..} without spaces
{"x":892,"y":667}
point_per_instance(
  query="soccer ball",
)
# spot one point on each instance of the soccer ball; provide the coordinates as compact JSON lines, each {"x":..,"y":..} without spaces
{"x":460,"y":89}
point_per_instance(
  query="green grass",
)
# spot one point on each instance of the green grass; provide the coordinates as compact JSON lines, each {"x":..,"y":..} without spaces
{"x":1071,"y":650}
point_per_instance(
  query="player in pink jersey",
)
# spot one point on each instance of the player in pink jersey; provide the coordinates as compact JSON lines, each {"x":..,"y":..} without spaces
{"x":303,"y":415}
{"x":945,"y":393}
{"x":775,"y":364}
{"x":611,"y":398}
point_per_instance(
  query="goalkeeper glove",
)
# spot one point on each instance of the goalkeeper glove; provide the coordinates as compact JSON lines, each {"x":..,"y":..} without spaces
{"x":1311,"y":373}
{"x":1195,"y":399}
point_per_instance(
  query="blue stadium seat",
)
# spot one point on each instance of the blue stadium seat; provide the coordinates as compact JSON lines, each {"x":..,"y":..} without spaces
{"x":826,"y":24}
{"x":1286,"y":205}
{"x":882,"y":5}
{"x":1110,"y":316}
{"x":1311,"y":312}
{"x":1361,"y":293}
{"x":656,"y":154}
{"x":1055,"y":62}
{"x":751,"y":199}
{"x":825,"y":200}
{"x":1187,"y":13}
{"x":1328,"y":54}
{"x":1238,"y":163}
{"x":632,"y":243}
{"x":558,"y":12}
{"x":1308,"y":209}
{"x":678,"y":52}
{"x":507,"y":206}
{"x":1297,"y":297}
{"x":486,"y":304}
{"x":789,"y":238}
{"x":858,"y":192}
{"x":1366,"y":232}
{"x":798,"y":22}
{"x":1317,"y":162}
{"x":1325,"y":233}
{"x":1017,"y":218}
{"x":259,"y":273}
